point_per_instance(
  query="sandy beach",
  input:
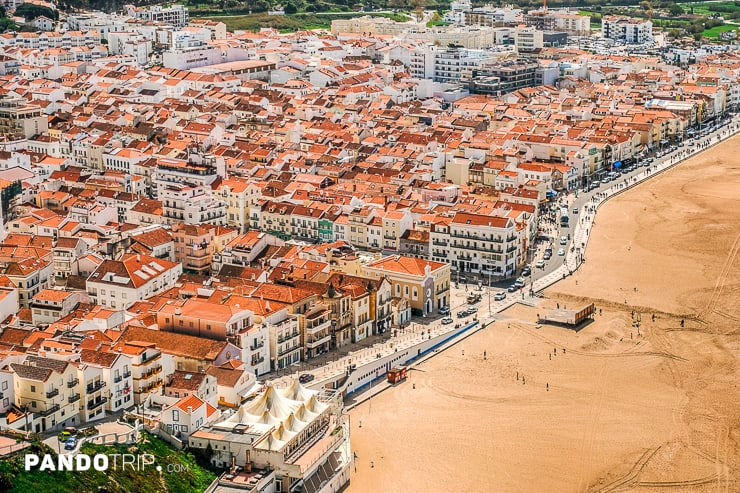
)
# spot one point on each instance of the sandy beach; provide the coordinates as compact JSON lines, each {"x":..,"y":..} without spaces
{"x":607,"y":408}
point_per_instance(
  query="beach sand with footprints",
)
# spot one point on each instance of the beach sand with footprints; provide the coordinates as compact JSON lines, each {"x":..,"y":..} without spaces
{"x":606,"y":408}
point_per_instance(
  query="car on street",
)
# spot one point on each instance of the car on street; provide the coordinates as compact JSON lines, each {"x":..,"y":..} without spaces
{"x":575,"y":210}
{"x":547,"y":255}
{"x":71,"y":443}
{"x":540,"y":264}
{"x":462,"y":313}
{"x":563,"y":240}
{"x":447,"y":321}
{"x":526,"y":272}
{"x":512,"y":288}
{"x":561,"y":252}
{"x":499,"y":296}
{"x":445,"y":310}
{"x":305,"y":378}
{"x":472,"y":309}
{"x":519,"y":282}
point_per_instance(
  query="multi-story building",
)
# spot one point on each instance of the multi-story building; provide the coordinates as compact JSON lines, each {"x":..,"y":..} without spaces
{"x":146,"y":370}
{"x":315,"y":327}
{"x":627,"y":29}
{"x":483,"y":244}
{"x":108,"y":382}
{"x":179,"y":172}
{"x":222,"y":322}
{"x":190,"y":205}
{"x":175,"y":15}
{"x":49,"y":305}
{"x":546,"y":20}
{"x":298,"y":434}
{"x":455,"y":63}
{"x":194,"y":247}
{"x":121,"y":283}
{"x":48,"y":391}
{"x":424,"y":283}
{"x":20,"y":119}
{"x":66,"y":252}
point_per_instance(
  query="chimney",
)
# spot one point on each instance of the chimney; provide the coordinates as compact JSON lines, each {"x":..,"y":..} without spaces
{"x":178,"y":311}
{"x":190,"y":410}
{"x":138,"y":257}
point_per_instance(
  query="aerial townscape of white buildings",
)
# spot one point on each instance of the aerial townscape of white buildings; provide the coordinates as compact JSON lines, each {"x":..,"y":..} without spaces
{"x":187,"y":211}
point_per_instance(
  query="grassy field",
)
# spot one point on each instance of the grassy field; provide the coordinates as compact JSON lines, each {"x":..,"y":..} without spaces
{"x":290,"y":23}
{"x":714,"y":32}
{"x":189,"y":476}
{"x":709,"y":8}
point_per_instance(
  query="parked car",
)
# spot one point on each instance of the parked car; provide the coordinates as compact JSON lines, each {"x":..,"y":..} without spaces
{"x":305,"y":378}
{"x":462,"y":313}
{"x":447,"y":321}
{"x":575,"y":210}
{"x":547,"y":256}
{"x":540,"y":264}
{"x":70,"y":444}
{"x":563,"y":240}
{"x":526,"y":272}
{"x":499,"y":296}
{"x":519,"y":282}
{"x":561,"y":252}
{"x":445,"y":310}
{"x":472,"y":309}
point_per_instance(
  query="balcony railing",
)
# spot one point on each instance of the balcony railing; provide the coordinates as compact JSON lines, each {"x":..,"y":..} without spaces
{"x":117,"y":379}
{"x":73,"y":398}
{"x":73,"y":383}
{"x":255,"y":346}
{"x":257,"y":361}
{"x":52,"y":393}
{"x":94,"y":387}
{"x":50,"y":410}
{"x":126,"y":374}
{"x":97,"y":403}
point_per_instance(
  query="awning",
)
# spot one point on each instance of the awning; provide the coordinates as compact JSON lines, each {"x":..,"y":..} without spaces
{"x":618,"y":164}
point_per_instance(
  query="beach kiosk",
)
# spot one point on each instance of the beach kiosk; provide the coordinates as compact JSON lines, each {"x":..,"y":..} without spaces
{"x":397,"y":374}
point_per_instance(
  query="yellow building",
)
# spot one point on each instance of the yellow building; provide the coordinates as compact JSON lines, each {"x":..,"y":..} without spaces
{"x":424,"y":283}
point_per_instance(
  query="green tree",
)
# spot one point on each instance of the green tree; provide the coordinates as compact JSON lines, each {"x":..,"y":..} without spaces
{"x":30,"y":11}
{"x":675,"y":10}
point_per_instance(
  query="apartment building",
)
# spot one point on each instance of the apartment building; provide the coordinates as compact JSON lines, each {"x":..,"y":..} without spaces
{"x":107,"y":384}
{"x":190,"y":205}
{"x":627,"y":29}
{"x":20,"y":119}
{"x":49,"y":305}
{"x":121,"y":283}
{"x":48,"y":391}
{"x":194,"y":247}
{"x":175,"y":15}
{"x":483,"y":244}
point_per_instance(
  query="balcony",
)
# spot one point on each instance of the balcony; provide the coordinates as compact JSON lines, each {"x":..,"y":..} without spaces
{"x":314,"y":342}
{"x":52,"y":393}
{"x":126,"y":374}
{"x":50,"y":410}
{"x":73,"y":398}
{"x":96,"y":403}
{"x":257,"y":361}
{"x":317,"y":328}
{"x":94,"y":387}
{"x":257,"y":345}
{"x":117,"y":379}
{"x":73,"y":383}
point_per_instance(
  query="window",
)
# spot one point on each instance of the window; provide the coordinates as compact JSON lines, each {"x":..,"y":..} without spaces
{"x":33,"y":388}
{"x":175,"y":415}
{"x":5,"y":385}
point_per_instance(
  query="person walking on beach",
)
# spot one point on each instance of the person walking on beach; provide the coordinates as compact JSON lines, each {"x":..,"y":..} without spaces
{"x":484,"y":355}
{"x":547,"y":386}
